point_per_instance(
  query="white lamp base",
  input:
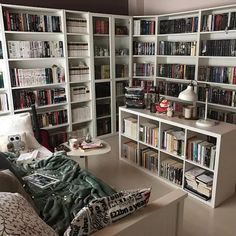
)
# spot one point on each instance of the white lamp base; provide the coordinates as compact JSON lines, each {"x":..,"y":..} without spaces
{"x":205,"y":123}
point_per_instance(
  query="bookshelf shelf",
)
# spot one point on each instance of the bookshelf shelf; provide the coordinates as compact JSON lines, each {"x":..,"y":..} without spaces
{"x":75,"y":102}
{"x":81,"y":57}
{"x":102,"y":80}
{"x":81,"y":121}
{"x":101,"y":35}
{"x":56,"y":126}
{"x":49,"y":59}
{"x":103,"y":117}
{"x":218,"y":138}
{"x":177,"y":34}
{"x":35,"y":33}
{"x":40,"y":86}
{"x":77,"y":34}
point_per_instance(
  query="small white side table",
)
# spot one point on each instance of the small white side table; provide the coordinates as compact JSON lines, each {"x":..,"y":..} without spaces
{"x":93,"y":152}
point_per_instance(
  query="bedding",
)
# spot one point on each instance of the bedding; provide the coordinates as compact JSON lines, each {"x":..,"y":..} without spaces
{"x":60,"y":203}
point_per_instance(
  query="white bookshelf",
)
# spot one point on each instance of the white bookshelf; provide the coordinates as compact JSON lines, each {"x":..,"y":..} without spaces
{"x":112,"y":48}
{"x":224,"y":177}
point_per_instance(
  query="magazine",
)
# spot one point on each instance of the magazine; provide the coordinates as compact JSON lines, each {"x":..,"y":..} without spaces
{"x":41,"y":181}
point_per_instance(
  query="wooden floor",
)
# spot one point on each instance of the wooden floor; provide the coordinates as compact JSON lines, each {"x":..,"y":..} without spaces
{"x":199,"y":219}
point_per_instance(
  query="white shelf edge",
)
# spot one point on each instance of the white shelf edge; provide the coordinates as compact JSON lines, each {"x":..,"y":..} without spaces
{"x":39,"y":86}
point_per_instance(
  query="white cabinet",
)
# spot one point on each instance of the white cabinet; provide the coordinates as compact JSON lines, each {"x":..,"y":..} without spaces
{"x":177,"y":151}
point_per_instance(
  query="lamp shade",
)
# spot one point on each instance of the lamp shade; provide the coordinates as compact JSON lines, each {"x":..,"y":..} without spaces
{"x":188,"y":94}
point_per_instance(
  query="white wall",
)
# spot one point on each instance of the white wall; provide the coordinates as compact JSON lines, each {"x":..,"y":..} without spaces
{"x":154,"y":7}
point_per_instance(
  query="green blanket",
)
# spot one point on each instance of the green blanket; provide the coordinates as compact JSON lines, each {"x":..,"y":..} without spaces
{"x":59,"y":204}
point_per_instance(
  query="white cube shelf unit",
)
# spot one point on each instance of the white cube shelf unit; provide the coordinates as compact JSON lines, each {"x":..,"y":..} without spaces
{"x":146,"y":142}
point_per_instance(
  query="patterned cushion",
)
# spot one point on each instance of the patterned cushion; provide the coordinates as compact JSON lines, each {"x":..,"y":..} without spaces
{"x":17,"y":217}
{"x":106,"y":210}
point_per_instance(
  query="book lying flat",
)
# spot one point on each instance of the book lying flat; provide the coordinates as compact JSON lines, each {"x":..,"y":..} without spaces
{"x":41,"y":181}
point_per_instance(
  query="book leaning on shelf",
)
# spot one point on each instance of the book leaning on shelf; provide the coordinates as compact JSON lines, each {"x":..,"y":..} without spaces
{"x":3,"y":102}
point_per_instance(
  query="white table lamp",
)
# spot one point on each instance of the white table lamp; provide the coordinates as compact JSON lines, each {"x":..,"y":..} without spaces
{"x":189,"y":95}
{"x":206,"y":122}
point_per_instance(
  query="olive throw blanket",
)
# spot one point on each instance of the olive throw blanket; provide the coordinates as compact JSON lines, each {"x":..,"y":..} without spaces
{"x":59,"y":203}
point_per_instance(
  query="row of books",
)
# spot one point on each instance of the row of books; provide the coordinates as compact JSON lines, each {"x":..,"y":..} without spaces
{"x":217,"y":22}
{"x":172,"y":170}
{"x":31,"y":22}
{"x":52,"y":118}
{"x":76,"y":25}
{"x":148,"y":158}
{"x":103,"y":126}
{"x":145,"y":84}
{"x":217,"y":96}
{"x":37,"y":76}
{"x":120,"y":88}
{"x":58,"y":138}
{"x":176,"y":71}
{"x":170,"y":89}
{"x":217,"y":74}
{"x":130,"y":127}
{"x":226,"y":47}
{"x":130,"y":151}
{"x":78,"y":73}
{"x":80,"y":93}
{"x":148,"y":133}
{"x":177,"y":48}
{"x":1,"y":80}
{"x":201,"y":152}
{"x":225,"y":116}
{"x":77,"y":49}
{"x":3,"y":102}
{"x":143,"y":69}
{"x":144,"y":27}
{"x":34,"y":49}
{"x":121,"y":30}
{"x":122,"y":70}
{"x":103,"y":108}
{"x":143,"y":48}
{"x":25,"y":98}
{"x":199,"y":182}
{"x":173,"y":141}
{"x":80,"y":114}
{"x":102,"y":71}
{"x":183,"y":25}
{"x":101,"y":26}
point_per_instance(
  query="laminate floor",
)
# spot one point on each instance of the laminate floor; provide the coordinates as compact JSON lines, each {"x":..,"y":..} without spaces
{"x":199,"y":219}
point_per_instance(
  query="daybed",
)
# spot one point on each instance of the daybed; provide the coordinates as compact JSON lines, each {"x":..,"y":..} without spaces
{"x":161,"y":217}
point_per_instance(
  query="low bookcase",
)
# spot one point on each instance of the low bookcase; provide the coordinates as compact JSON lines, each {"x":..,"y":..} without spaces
{"x":175,"y":150}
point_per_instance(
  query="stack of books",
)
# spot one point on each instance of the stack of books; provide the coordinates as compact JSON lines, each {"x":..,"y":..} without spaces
{"x":199,"y":182}
{"x":96,"y":143}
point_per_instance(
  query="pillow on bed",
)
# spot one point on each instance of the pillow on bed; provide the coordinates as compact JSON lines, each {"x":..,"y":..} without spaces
{"x":19,"y":123}
{"x":19,"y":218}
{"x":106,"y":210}
{"x":18,"y":139}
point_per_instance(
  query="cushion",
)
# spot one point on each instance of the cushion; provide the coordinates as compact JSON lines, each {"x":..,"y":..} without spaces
{"x":19,"y":123}
{"x":6,"y":164}
{"x":17,"y":217}
{"x":17,"y":139}
{"x":106,"y":210}
{"x":9,"y":183}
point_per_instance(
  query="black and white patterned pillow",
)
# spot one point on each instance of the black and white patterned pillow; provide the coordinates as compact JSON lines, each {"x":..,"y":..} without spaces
{"x":103,"y":211}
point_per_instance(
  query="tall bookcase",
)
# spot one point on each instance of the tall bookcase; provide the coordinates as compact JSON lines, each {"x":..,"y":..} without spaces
{"x":36,"y":63}
{"x":175,"y":151}
{"x":79,"y":63}
{"x":195,"y":45}
{"x":112,"y":68}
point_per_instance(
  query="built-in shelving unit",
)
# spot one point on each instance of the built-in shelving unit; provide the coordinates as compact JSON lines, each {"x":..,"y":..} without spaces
{"x":200,"y":161}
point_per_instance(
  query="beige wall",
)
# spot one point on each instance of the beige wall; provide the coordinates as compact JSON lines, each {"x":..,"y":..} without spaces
{"x":169,"y":6}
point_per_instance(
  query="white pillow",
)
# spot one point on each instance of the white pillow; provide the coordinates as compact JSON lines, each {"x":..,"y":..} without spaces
{"x":16,"y":138}
{"x":19,"y":123}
